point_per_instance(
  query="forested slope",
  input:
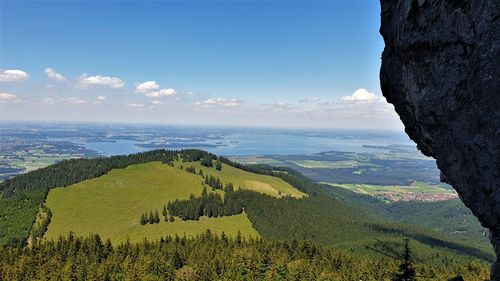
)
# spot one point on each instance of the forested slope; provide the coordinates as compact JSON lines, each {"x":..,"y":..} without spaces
{"x":208,"y":257}
{"x":343,"y":224}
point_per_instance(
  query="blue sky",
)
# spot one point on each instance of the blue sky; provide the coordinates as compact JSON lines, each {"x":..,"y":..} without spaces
{"x":295,"y":63}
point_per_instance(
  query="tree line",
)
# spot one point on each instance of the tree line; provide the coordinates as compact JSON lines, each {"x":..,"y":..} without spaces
{"x":208,"y":204}
{"x":208,"y":256}
{"x":39,"y":229}
{"x":153,"y":218}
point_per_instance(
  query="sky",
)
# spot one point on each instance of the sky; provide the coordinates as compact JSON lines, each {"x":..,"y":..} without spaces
{"x":312,"y":64}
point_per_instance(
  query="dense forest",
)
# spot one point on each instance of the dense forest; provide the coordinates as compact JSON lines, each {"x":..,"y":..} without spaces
{"x":208,"y":257}
{"x":323,"y":217}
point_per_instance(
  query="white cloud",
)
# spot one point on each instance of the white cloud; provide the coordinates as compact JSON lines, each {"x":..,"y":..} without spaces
{"x":360,"y":95}
{"x":155,"y":102}
{"x":282,"y":107}
{"x":99,"y":100}
{"x":85,"y":81}
{"x":71,"y":100}
{"x":136,"y":105}
{"x":162,"y":93}
{"x":48,"y":101}
{"x":12,"y":75}
{"x":219,"y":102}
{"x":74,"y":100}
{"x":309,"y":100}
{"x":152,"y":89}
{"x":7,"y":97}
{"x":147,"y":86}
{"x":52,"y":74}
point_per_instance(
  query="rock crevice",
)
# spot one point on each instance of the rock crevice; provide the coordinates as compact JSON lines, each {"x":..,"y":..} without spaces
{"x":441,"y":71}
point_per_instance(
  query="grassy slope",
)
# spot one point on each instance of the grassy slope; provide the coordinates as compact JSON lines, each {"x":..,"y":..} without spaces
{"x":111,"y":205}
{"x":260,"y":183}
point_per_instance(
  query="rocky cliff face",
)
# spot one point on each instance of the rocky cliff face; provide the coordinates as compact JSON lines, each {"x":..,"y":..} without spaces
{"x":441,"y":71}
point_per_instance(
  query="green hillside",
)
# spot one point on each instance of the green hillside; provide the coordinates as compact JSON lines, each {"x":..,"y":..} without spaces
{"x":108,"y":196}
{"x":265,"y":184}
{"x":451,"y":217}
{"x":111,"y":205}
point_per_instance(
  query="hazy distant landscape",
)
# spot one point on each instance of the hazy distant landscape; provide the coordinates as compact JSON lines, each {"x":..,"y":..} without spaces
{"x":387,"y":161}
{"x":29,"y":145}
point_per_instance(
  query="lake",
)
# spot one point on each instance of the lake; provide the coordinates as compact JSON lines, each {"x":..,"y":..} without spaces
{"x":261,"y":142}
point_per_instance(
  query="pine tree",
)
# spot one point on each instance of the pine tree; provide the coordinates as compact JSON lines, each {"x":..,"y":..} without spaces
{"x":156,"y":217}
{"x":206,"y":161}
{"x":151,"y":218}
{"x":406,"y":269}
{"x":143,"y":219}
{"x":164,"y":212}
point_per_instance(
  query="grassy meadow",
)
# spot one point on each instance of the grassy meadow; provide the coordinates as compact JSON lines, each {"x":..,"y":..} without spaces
{"x":111,"y":205}
{"x":273,"y":186}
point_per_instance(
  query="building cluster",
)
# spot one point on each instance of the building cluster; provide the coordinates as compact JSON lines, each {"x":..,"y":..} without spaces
{"x":415,"y":196}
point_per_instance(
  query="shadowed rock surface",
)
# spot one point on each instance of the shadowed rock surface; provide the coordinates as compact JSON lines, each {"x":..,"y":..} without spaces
{"x":441,"y":70}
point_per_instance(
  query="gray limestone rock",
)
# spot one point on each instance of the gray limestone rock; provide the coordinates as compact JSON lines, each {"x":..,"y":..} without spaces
{"x":441,"y":71}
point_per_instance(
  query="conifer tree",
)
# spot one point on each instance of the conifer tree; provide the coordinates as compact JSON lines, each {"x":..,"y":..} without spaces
{"x":407,"y":270}
{"x":156,"y":217}
{"x":151,"y":218}
{"x":143,"y":219}
{"x":206,"y":161}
